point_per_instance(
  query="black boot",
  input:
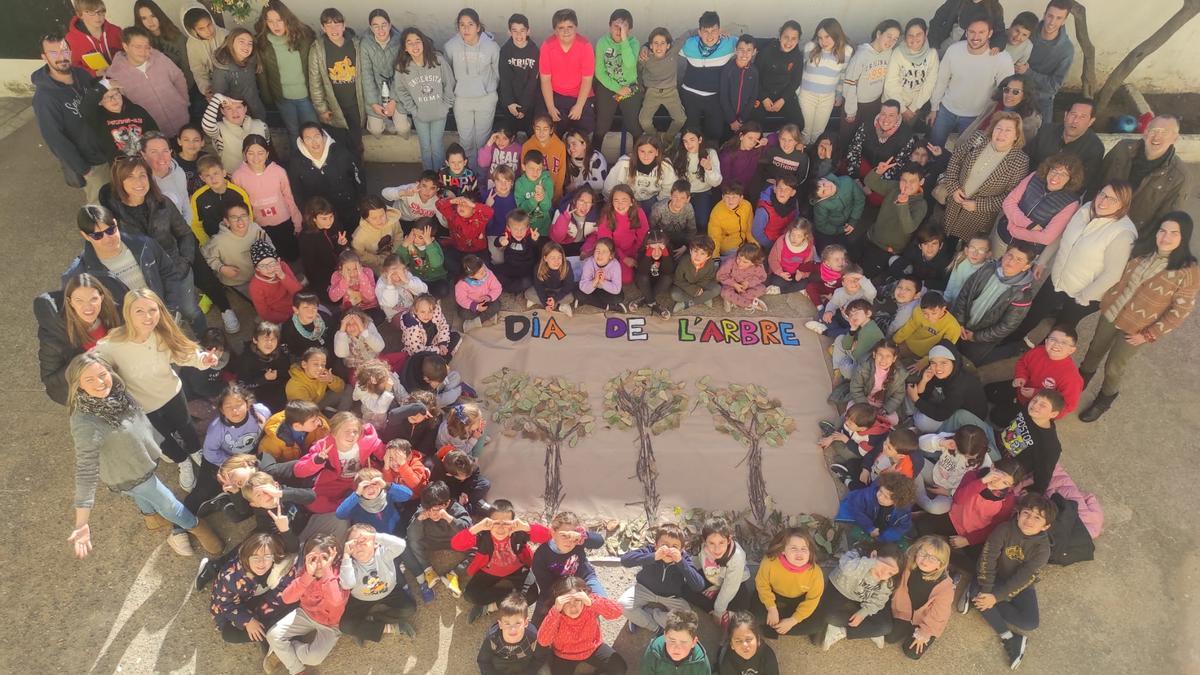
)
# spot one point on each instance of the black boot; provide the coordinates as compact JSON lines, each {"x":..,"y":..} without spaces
{"x":1100,"y":406}
{"x":1087,"y":377}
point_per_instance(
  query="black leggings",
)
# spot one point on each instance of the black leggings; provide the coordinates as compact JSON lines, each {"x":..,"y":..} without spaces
{"x":484,"y":589}
{"x":175,"y":424}
{"x":206,"y":280}
{"x":787,"y":607}
{"x":902,"y":632}
{"x":652,"y":287}
{"x":604,"y":660}
{"x":283,"y":237}
{"x":601,"y":298}
{"x":207,"y":486}
{"x":836,"y":610}
{"x":1051,"y":303}
{"x":365,"y":619}
{"x":740,"y":602}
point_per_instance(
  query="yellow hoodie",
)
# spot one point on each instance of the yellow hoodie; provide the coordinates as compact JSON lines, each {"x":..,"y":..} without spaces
{"x":275,"y":446}
{"x":730,"y":229}
{"x":920,"y":336}
{"x":373,"y":244}
{"x":301,"y":387}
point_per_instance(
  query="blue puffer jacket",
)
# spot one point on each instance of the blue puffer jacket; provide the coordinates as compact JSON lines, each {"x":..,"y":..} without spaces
{"x":861,"y":507}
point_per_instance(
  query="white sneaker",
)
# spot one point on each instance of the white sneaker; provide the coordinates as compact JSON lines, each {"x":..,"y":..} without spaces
{"x":567,"y":308}
{"x":179,"y":542}
{"x":833,"y":634}
{"x":772,"y":290}
{"x":232,"y":325}
{"x":815,"y":326}
{"x":471,"y":324}
{"x":187,"y":475}
{"x":878,"y":640}
{"x":529,"y":303}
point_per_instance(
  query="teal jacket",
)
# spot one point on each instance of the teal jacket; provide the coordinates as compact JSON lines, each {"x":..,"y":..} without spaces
{"x":831,"y":214}
{"x":656,"y":662}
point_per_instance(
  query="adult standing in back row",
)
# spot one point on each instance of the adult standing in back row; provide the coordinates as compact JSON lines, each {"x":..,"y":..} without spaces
{"x":475,"y":59}
{"x":566,"y":67}
{"x":1051,"y":57}
{"x":967,"y":76}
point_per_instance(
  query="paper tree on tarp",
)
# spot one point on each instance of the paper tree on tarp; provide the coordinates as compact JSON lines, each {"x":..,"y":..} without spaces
{"x":749,"y":415}
{"x":652,"y":403}
{"x":548,"y":409}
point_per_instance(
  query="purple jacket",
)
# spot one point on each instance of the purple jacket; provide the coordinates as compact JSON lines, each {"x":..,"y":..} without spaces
{"x":469,"y":296}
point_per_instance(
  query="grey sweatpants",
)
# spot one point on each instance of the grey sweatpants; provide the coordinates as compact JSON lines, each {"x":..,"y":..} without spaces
{"x":635,"y":600}
{"x":295,"y":654}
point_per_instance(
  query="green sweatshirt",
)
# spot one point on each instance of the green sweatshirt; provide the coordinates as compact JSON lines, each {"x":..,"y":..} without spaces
{"x":656,"y":661}
{"x":691,"y":280}
{"x":616,"y":64}
{"x":896,"y":222}
{"x":539,"y":212}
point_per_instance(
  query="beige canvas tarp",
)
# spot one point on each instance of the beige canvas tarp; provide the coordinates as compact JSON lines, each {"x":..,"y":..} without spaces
{"x":697,"y":466}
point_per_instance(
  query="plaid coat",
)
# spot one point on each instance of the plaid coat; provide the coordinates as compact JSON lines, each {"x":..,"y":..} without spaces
{"x":989,"y":198}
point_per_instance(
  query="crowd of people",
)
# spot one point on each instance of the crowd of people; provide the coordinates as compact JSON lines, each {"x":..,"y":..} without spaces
{"x":917,"y":189}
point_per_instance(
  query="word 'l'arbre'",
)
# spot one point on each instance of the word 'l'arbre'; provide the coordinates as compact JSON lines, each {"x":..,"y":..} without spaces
{"x":697,"y":329}
{"x":518,"y":326}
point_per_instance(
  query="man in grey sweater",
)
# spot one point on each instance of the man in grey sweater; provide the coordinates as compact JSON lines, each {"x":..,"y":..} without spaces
{"x":1052,"y":56}
{"x":967,"y":77}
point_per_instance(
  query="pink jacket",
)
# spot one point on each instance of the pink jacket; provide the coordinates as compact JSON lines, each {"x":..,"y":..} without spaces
{"x":1090,"y":511}
{"x":931,"y":619}
{"x":331,"y":487}
{"x":270,"y":195}
{"x":1018,"y":222}
{"x":339,"y":289}
{"x":469,"y":295}
{"x":729,"y":273}
{"x":323,"y":600}
{"x":161,"y":90}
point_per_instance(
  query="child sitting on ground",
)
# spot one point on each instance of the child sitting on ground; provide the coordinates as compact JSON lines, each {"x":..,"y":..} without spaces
{"x":503,"y":555}
{"x":417,"y":200}
{"x":1003,"y":589}
{"x":894,"y":306}
{"x":576,"y":221}
{"x":228,"y":251}
{"x":863,"y":432}
{"x":922,"y":602}
{"x":510,"y":645}
{"x":357,"y":341}
{"x":379,"y":602}
{"x":953,"y":455}
{"x":404,"y":465}
{"x":553,"y":282}
{"x":207,"y":384}
{"x":477,"y":294}
{"x":926,"y":328}
{"x":729,"y":223}
{"x":467,"y":485}
{"x":273,"y":285}
{"x":744,"y":652}
{"x":426,"y":329}
{"x":789,"y":585}
{"x":432,"y":528}
{"x":416,"y":422}
{"x":855,"y":603}
{"x":322,"y":602}
{"x":280,"y":510}
{"x":878,"y":381}
{"x":263,"y":365}
{"x":374,"y":501}
{"x":678,"y":649}
{"x":397,"y":288}
{"x":564,"y":556}
{"x":520,"y":246}
{"x":306,"y":329}
{"x":462,"y":429}
{"x":429,"y":372}
{"x":975,"y":252}
{"x":456,"y":177}
{"x":247,"y":596}
{"x":828,"y":277}
{"x":600,"y":278}
{"x":722,"y":562}
{"x":423,"y":255}
{"x":695,"y":280}
{"x":880,"y":512}
{"x":289,"y":433}
{"x":311,"y":380}
{"x":897,"y":454}
{"x":854,"y":286}
{"x":571,"y":629}
{"x":534,"y":192}
{"x":743,"y":278}
{"x":666,"y":573}
{"x":925,"y":258}
{"x":377,"y":389}
{"x":853,"y":347}
{"x":377,"y":233}
{"x":467,"y":220}
{"x":792,"y":260}
{"x":353,"y":286}
{"x":984,"y":499}
{"x":503,"y":201}
{"x":654,"y":274}
{"x":501,"y":149}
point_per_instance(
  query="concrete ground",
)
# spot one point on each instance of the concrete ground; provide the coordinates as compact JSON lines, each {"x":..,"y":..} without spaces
{"x":130,"y":607}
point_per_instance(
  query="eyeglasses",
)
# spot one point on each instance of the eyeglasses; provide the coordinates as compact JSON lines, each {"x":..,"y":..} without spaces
{"x":255,"y":559}
{"x":238,"y":219}
{"x":926,"y":555}
{"x":106,"y":232}
{"x":1014,"y":92}
{"x":978,"y":249}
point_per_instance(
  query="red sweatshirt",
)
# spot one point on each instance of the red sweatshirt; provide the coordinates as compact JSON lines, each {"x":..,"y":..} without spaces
{"x":323,"y":600}
{"x":466,"y":234}
{"x":414,"y":475}
{"x":465,"y":541}
{"x":273,"y":299}
{"x":1040,"y":372}
{"x":332,"y":485}
{"x":975,"y":516}
{"x":577,"y":639}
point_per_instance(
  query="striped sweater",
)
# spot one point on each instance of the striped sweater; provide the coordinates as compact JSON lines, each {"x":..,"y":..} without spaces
{"x":824,"y":76}
{"x":1159,"y":304}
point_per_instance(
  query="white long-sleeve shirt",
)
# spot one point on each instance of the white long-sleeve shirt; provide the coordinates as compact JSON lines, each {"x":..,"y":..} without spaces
{"x":966,"y":81}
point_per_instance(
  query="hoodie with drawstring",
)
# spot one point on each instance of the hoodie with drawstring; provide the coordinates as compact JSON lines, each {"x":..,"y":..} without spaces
{"x":200,"y":51}
{"x":332,"y":174}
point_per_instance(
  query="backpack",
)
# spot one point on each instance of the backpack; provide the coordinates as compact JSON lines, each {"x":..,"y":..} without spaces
{"x":1070,"y":541}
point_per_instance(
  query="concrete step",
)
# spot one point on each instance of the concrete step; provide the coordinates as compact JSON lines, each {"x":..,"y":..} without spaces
{"x":391,"y":148}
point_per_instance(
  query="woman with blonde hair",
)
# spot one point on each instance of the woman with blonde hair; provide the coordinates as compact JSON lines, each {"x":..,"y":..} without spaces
{"x":922,"y":601}
{"x":983,"y":170}
{"x":143,"y":352}
{"x":114,"y":443}
{"x":71,"y":322}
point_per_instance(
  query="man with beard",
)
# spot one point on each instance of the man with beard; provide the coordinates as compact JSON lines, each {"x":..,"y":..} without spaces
{"x":1073,"y":135}
{"x":1159,"y":180}
{"x":58,"y":94}
{"x":967,"y":76}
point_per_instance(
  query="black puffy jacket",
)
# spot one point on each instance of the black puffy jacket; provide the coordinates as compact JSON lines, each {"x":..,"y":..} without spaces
{"x":55,"y":351}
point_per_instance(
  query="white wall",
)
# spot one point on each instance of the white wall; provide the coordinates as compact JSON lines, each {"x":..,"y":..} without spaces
{"x":1116,"y":26}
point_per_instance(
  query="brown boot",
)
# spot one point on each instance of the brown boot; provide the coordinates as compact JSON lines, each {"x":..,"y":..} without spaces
{"x":155,"y":522}
{"x":208,"y":539}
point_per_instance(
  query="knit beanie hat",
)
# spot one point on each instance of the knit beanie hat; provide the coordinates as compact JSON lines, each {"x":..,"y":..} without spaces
{"x":261,"y":250}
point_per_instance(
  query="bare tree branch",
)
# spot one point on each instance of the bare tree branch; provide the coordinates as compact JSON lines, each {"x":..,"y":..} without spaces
{"x":1147,"y":47}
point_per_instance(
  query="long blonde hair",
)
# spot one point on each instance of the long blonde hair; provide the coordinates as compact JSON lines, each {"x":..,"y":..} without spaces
{"x":170,"y":337}
{"x":938,"y":548}
{"x":77,"y":332}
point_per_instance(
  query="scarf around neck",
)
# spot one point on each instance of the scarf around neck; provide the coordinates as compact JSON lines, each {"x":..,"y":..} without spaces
{"x":317,"y":332}
{"x":113,"y":409}
{"x":916,"y":58}
{"x":376,"y":505}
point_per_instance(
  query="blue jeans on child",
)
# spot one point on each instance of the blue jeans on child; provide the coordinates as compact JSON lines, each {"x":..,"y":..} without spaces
{"x":702,"y":204}
{"x":152,"y":496}
{"x":430,"y":136}
{"x":296,"y":111}
{"x":1021,"y":612}
{"x":947,"y":123}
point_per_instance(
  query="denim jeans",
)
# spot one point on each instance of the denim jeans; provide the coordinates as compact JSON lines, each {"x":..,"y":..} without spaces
{"x":946,"y":124}
{"x":431,"y":136}
{"x":189,"y":306}
{"x":154,"y":497}
{"x":296,"y":111}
